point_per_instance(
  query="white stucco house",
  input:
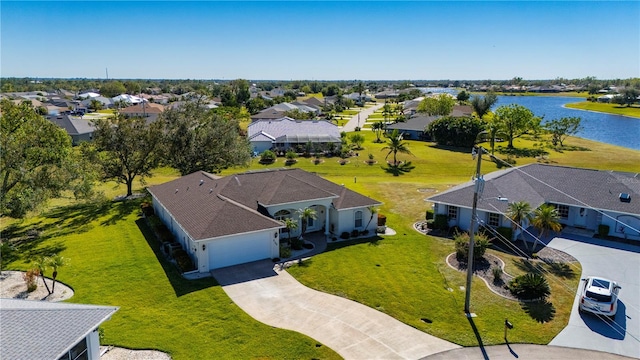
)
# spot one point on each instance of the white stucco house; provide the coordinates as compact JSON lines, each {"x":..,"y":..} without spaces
{"x":50,"y":330}
{"x":584,"y":198}
{"x":225,"y":221}
{"x":285,"y":132}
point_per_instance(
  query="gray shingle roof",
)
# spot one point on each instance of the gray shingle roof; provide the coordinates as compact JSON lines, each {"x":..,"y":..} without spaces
{"x":289,"y":130}
{"x":575,"y":187}
{"x":208,"y":208}
{"x":46,"y":330}
{"x":417,"y":123}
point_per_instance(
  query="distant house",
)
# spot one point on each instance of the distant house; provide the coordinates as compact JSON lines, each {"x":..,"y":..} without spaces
{"x":51,"y":330}
{"x":104,"y":101}
{"x":127,"y":99}
{"x":143,"y":109}
{"x":78,"y":128}
{"x":285,"y":132}
{"x":277,"y":111}
{"x":237,"y":219}
{"x":584,"y":198}
{"x":414,"y":128}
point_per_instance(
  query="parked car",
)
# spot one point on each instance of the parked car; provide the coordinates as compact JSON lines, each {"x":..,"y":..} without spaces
{"x":599,"y":296}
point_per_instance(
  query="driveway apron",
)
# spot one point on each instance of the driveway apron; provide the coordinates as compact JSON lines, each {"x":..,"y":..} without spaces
{"x":274,"y":297}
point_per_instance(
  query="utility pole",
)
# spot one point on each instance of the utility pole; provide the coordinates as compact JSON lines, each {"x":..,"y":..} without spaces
{"x":479,"y":185}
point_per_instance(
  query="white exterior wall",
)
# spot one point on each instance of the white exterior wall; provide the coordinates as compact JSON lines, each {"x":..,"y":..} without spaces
{"x":238,"y":249}
{"x":345,"y":221}
{"x":261,"y":146}
{"x":615,"y":228}
{"x":93,"y":345}
{"x":321,"y":206}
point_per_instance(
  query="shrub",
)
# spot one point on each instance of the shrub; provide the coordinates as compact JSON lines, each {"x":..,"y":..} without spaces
{"x":291,"y":155}
{"x":428,"y":215}
{"x":497,"y":274}
{"x":31,"y":279}
{"x":531,"y":286}
{"x":505,"y":232}
{"x":456,"y":131}
{"x":147,"y":208}
{"x":267,"y":157}
{"x":441,"y":222}
{"x":603,"y":230}
{"x":355,"y":233}
{"x":382,"y":220}
{"x":285,"y":252}
{"x":183,"y":260}
{"x":345,"y":235}
{"x":480,"y":245}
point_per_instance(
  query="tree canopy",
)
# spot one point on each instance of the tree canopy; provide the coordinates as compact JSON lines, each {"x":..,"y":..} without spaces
{"x":201,"y":139}
{"x":482,"y":105}
{"x":128,"y":147}
{"x":441,"y":105}
{"x":514,"y":121}
{"x":456,"y":131}
{"x":35,"y":159}
{"x":561,"y":128}
{"x":112,"y":88}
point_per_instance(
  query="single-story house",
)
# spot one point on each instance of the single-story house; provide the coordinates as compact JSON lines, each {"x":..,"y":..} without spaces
{"x":225,"y":221}
{"x":267,"y":114}
{"x":126,"y":98}
{"x":143,"y":109}
{"x":78,"y":128}
{"x":51,"y":330}
{"x":414,"y":128}
{"x":105,"y":101}
{"x":285,"y":132}
{"x":584,"y":198}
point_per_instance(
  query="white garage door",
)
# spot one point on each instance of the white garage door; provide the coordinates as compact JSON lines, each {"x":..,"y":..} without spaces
{"x":239,"y":250}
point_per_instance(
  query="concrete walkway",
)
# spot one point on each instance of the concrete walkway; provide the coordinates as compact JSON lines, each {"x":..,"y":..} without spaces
{"x":272,"y":296}
{"x":523,"y":352}
{"x":360,"y":118}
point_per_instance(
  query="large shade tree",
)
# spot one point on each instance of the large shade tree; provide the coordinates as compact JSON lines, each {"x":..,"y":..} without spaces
{"x":440,"y":105}
{"x":514,"y":121}
{"x":129,"y":148}
{"x":561,"y":128}
{"x":200,"y":139}
{"x":35,"y":159}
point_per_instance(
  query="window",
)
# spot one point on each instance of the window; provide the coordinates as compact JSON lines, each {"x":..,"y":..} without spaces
{"x":563,"y":211}
{"x":452,"y":212}
{"x":282,"y":214}
{"x":358,"y":219}
{"x":78,"y":352}
{"x":493,"y":219}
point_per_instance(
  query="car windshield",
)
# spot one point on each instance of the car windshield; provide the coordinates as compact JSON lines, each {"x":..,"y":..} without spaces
{"x":598,"y":297}
{"x":600,"y":283}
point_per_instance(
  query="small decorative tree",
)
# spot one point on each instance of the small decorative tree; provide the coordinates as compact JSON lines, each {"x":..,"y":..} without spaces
{"x":530,"y":286}
{"x":267,"y":157}
{"x":56,"y":262}
{"x":480,"y":245}
{"x":306,"y":214}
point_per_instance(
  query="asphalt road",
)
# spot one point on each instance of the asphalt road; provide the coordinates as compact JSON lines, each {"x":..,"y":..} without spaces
{"x":619,"y":262}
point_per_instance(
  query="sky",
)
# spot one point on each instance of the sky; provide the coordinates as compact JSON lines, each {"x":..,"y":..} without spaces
{"x":318,"y":40}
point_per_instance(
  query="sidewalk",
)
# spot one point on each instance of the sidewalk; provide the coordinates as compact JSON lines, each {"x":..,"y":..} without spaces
{"x":363,"y":115}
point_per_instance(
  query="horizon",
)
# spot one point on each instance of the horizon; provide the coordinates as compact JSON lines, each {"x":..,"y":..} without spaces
{"x":319,"y":41}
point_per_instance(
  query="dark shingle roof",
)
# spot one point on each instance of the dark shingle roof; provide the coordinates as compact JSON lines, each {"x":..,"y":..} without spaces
{"x":417,"y":123}
{"x":209,"y":207}
{"x":539,"y":183}
{"x":46,"y":330}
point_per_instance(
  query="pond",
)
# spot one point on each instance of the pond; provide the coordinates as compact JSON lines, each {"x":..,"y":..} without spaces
{"x":607,"y":128}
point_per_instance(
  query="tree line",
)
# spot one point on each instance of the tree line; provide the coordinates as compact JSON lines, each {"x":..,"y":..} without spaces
{"x":38,"y":162}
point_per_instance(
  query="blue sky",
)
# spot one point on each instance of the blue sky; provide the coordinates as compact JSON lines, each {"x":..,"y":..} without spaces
{"x":319,"y":40}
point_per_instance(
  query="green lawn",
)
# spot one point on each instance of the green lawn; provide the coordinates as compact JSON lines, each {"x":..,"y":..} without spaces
{"x":633,"y":111}
{"x":114,"y":262}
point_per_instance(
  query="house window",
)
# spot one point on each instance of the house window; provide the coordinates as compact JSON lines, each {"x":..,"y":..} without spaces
{"x":78,"y":352}
{"x":452,"y":212}
{"x":358,"y":219}
{"x":282,"y":214}
{"x":493,"y":219}
{"x":563,"y":211}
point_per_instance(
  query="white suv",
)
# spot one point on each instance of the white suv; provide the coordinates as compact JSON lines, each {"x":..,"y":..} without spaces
{"x":599,"y":296}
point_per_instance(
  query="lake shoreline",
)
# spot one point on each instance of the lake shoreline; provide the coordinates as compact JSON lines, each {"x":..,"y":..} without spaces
{"x":599,"y":112}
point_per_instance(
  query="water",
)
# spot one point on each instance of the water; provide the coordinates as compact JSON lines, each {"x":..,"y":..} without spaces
{"x":606,"y":128}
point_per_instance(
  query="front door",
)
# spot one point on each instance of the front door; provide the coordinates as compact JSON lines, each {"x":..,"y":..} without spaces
{"x":581,"y":218}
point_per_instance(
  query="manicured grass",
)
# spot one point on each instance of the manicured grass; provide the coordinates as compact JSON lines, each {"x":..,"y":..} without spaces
{"x":114,"y":260}
{"x":633,"y":111}
{"x":113,"y":263}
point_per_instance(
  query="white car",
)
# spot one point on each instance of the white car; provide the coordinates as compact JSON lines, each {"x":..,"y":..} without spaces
{"x":599,"y":296}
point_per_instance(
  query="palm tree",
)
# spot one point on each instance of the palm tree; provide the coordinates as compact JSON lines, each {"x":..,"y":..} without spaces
{"x":41,"y":263}
{"x":387,"y":111}
{"x":493,"y":130}
{"x":518,"y":212}
{"x":545,"y":218}
{"x":395,"y":145}
{"x":482,"y":105}
{"x":304,"y":215}
{"x":289,"y":224}
{"x":56,"y":261}
{"x":372,"y":210}
{"x":377,"y":128}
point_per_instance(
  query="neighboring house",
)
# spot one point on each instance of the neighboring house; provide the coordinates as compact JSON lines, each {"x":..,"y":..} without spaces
{"x":386,"y":94}
{"x":105,"y":101}
{"x":126,"y":98}
{"x":88,"y":95}
{"x":50,"y":330}
{"x":414,"y":128}
{"x":462,"y":110}
{"x":584,"y":198}
{"x":78,"y":128}
{"x":143,"y":109}
{"x":236,"y":219}
{"x":314,"y":102}
{"x":284,"y":133}
{"x":267,"y":114}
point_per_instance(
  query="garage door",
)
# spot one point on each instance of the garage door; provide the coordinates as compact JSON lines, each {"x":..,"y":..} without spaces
{"x":239,"y":250}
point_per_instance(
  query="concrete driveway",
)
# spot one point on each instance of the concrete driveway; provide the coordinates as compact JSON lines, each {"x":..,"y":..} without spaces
{"x":354,"y":331}
{"x":620,"y":262}
{"x":361,"y":118}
